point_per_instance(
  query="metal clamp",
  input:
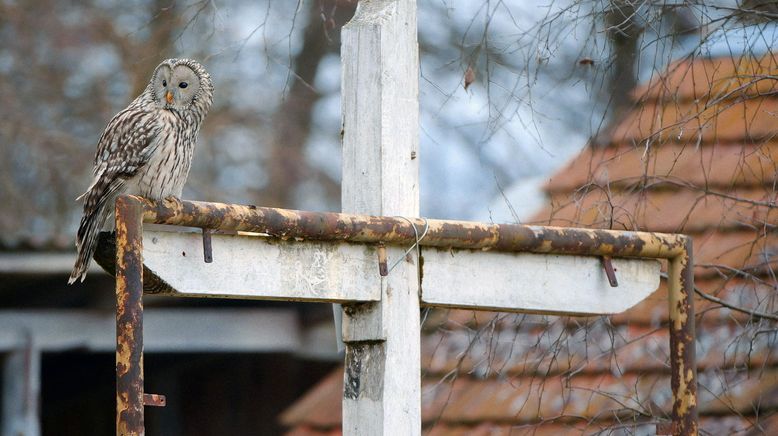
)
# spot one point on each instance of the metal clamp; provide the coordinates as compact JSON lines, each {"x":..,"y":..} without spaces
{"x":207,"y":246}
{"x":383,"y":269}
{"x":155,"y":400}
{"x":607,"y":262}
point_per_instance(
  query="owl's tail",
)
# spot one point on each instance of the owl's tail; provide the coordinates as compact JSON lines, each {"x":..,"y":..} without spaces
{"x":86,"y":242}
{"x":97,"y":208}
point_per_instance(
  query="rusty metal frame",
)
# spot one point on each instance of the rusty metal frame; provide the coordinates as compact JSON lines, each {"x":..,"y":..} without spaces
{"x":132,"y":212}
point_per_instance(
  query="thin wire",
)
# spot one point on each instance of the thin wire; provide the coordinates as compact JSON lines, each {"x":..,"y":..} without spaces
{"x":416,"y":244}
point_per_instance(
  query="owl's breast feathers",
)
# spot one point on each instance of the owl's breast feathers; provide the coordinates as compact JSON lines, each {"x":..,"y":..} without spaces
{"x":169,"y":157}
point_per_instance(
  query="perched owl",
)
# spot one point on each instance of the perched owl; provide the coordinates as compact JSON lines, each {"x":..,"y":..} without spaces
{"x":146,"y":149}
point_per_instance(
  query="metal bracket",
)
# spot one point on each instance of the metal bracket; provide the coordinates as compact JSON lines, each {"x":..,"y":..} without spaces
{"x":383,"y":269}
{"x":207,"y":246}
{"x":610,"y":271}
{"x":155,"y":400}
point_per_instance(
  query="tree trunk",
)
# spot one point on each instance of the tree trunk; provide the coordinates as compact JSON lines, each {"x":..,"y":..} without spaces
{"x":624,"y":33}
{"x":158,"y":46}
{"x":287,"y":167}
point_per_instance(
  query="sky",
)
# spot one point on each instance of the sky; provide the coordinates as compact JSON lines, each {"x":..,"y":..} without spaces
{"x":505,"y":128}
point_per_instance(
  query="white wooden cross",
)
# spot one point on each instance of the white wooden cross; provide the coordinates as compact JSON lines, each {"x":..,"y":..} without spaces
{"x":381,"y":326}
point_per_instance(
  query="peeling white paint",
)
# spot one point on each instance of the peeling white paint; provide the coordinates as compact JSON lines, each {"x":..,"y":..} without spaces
{"x":534,"y":282}
{"x":260,"y":268}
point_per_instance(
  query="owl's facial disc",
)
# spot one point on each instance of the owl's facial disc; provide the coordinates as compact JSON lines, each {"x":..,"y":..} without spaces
{"x":176,"y":88}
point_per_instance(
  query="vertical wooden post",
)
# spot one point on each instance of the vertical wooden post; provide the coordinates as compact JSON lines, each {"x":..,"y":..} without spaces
{"x":380,"y":177}
{"x":21,"y":391}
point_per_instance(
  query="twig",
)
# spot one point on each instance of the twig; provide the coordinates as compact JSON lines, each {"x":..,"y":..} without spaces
{"x":751,"y":312}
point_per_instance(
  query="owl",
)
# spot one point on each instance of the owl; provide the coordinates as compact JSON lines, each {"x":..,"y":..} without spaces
{"x":146,"y":149}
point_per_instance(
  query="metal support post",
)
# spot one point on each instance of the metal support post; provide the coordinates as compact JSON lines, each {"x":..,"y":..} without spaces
{"x":129,"y":317}
{"x":682,"y":344}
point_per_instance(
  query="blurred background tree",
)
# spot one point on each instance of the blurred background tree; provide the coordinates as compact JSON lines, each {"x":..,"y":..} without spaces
{"x":273,"y":136}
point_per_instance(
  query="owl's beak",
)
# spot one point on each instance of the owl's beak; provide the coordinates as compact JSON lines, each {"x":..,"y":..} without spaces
{"x":169,"y":97}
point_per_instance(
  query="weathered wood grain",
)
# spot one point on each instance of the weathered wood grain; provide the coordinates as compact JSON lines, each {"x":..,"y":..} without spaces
{"x":542,"y":283}
{"x":263,"y":268}
{"x":381,"y":177}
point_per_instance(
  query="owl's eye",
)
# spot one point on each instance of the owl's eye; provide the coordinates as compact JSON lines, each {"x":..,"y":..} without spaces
{"x":183,"y":85}
{"x":164,"y":83}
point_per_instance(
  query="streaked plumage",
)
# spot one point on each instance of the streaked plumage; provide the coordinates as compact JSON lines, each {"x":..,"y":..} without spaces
{"x":146,"y":149}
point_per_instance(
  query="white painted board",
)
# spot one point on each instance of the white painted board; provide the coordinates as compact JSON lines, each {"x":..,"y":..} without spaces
{"x":542,"y":283}
{"x":262,"y":268}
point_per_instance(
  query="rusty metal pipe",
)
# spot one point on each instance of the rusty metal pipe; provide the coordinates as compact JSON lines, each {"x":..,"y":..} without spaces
{"x":683,"y":359}
{"x":129,"y":317}
{"x":284,"y":223}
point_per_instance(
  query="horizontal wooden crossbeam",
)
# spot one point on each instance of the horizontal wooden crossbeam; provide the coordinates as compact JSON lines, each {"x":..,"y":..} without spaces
{"x":536,"y":283}
{"x":245,"y":267}
{"x":263,"y":268}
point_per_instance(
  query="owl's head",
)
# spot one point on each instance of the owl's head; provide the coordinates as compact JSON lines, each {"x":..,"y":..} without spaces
{"x":181,"y":84}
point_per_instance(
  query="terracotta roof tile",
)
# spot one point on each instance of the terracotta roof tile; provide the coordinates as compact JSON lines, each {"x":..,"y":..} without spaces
{"x":727,"y":425}
{"x":743,"y":250}
{"x":692,"y":122}
{"x":721,"y":166}
{"x":303,"y":430}
{"x":467,"y":405}
{"x":547,"y":429}
{"x":765,"y":426}
{"x":739,"y":291}
{"x":527,"y":399}
{"x":688,"y":211}
{"x":712,"y":78}
{"x":597,"y":347}
{"x":320,"y":407}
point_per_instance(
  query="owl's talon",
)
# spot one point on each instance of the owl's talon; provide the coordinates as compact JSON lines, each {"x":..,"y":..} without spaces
{"x":173,"y":198}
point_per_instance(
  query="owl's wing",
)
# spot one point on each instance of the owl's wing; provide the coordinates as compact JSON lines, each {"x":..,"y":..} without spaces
{"x":127,"y":142}
{"x":124,"y":148}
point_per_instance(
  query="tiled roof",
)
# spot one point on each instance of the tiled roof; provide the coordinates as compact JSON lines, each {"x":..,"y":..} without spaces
{"x":696,"y":155}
